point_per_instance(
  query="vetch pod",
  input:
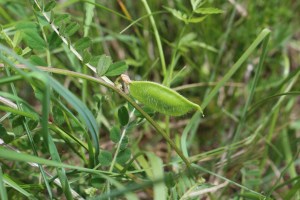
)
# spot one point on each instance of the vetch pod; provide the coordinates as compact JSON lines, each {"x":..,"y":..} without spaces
{"x":160,"y":98}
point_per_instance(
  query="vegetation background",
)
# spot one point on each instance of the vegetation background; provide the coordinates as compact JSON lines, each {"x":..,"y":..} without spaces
{"x":70,"y":130}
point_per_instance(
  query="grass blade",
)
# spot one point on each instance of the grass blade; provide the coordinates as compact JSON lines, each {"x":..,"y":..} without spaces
{"x":3,"y":193}
{"x":235,"y":67}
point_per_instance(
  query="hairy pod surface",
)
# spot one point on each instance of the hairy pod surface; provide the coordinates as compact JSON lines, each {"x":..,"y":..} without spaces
{"x":160,"y":98}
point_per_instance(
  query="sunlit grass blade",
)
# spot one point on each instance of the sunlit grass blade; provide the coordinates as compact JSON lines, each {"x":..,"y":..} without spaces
{"x":159,"y":189}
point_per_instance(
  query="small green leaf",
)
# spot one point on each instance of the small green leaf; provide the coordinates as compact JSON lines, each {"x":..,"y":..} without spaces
{"x":115,"y":134}
{"x":178,"y":14}
{"x":35,"y":7}
{"x":31,"y":36}
{"x":105,"y":158}
{"x":32,"y":124}
{"x":196,"y":19}
{"x":170,"y":179}
{"x":89,"y":14}
{"x":94,"y":60}
{"x":37,"y":60}
{"x":54,"y":40}
{"x":83,"y":43}
{"x":208,"y":11}
{"x":103,"y":64}
{"x":123,"y":115}
{"x":5,"y":136}
{"x":18,"y":50}
{"x":86,"y":57}
{"x":49,"y":6}
{"x":196,"y":3}
{"x":97,"y":182}
{"x":124,"y":143}
{"x":116,"y":68}
{"x":71,"y":28}
{"x":123,"y":156}
{"x":63,"y":18}
{"x":17,"y":124}
{"x":34,"y":40}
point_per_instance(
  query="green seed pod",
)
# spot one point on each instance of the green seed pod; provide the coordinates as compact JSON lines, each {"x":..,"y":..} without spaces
{"x":160,"y":98}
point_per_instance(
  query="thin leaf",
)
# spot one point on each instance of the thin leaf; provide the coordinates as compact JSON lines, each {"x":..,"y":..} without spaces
{"x":83,"y":43}
{"x":123,"y":115}
{"x":33,"y":40}
{"x":196,"y":3}
{"x":195,"y":19}
{"x":89,"y":14}
{"x":208,"y":11}
{"x":17,"y":187}
{"x":103,"y":64}
{"x":114,"y":134}
{"x":156,"y":163}
{"x":49,"y":6}
{"x":71,"y":28}
{"x":63,"y":18}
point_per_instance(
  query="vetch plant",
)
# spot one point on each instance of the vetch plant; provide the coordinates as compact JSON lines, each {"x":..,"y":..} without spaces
{"x":160,"y":98}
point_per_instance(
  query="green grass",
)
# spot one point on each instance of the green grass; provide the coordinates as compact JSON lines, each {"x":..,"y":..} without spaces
{"x":70,"y":129}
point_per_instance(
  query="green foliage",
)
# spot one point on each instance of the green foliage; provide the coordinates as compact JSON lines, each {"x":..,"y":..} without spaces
{"x":184,"y":17}
{"x":123,"y":156}
{"x":208,"y":11}
{"x":17,"y":124}
{"x":31,"y":35}
{"x":103,"y":64}
{"x":5,"y":136}
{"x":116,"y":68}
{"x":49,"y":6}
{"x":123,"y":115}
{"x":71,"y":129}
{"x":83,"y":43}
{"x":71,"y":29}
{"x":114,"y":134}
{"x":105,"y":158}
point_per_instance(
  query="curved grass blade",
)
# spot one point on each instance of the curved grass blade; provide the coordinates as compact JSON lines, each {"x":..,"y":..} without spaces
{"x":235,"y":67}
{"x":83,"y":111}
